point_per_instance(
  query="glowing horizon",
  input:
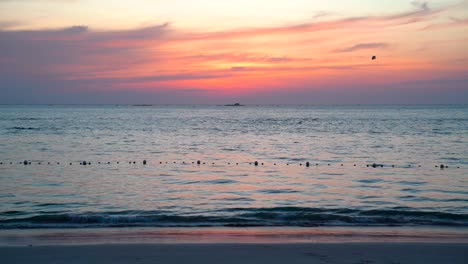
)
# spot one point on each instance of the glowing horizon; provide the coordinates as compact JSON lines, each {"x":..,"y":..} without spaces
{"x":205,"y":54}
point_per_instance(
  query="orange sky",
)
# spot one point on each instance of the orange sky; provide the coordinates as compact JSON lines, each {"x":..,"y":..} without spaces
{"x":419,"y":44}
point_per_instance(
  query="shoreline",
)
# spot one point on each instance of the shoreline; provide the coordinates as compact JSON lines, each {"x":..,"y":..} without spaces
{"x":356,"y":253}
{"x":232,"y":235}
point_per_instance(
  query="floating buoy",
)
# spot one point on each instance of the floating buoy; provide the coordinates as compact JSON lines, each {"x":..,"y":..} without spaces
{"x":442,"y":166}
{"x":256,"y":163}
{"x":307,"y":164}
{"x":198,"y":162}
{"x":144,"y":162}
{"x":25,"y":162}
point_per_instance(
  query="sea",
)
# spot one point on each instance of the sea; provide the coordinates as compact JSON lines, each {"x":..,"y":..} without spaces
{"x":102,"y":166}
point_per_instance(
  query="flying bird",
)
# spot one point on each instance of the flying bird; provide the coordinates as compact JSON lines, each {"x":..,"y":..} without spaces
{"x":374,"y":57}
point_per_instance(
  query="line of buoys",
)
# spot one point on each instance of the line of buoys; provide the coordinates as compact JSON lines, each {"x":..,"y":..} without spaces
{"x":255,"y":163}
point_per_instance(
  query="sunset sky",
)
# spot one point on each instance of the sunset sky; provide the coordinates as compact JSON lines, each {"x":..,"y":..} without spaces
{"x":248,"y":51}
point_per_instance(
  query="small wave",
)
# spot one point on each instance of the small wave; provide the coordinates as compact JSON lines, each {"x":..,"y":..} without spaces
{"x":273,"y":191}
{"x":370,"y":180}
{"x":24,"y":128}
{"x":220,"y":181}
{"x":277,"y":216}
{"x":415,"y":183}
{"x":245,"y":199}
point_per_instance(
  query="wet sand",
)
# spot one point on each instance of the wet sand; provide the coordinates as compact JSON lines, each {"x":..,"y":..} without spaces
{"x":356,"y":253}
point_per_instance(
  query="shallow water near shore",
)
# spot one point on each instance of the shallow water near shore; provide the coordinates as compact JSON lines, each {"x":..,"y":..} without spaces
{"x":339,"y":188}
{"x":216,"y":235}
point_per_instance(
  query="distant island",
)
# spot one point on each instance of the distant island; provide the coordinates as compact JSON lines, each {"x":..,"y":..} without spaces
{"x":236,"y":104}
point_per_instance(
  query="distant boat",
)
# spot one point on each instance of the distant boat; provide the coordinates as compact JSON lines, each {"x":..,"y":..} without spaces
{"x":236,"y":104}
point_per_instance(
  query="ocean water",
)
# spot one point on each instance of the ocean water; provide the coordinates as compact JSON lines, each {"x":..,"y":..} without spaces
{"x":340,"y":187}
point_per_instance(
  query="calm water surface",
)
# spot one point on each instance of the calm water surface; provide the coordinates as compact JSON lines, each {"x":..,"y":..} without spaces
{"x":171,"y":190}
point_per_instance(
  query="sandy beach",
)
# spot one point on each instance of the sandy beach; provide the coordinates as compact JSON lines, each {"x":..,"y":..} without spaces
{"x":389,"y":253}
